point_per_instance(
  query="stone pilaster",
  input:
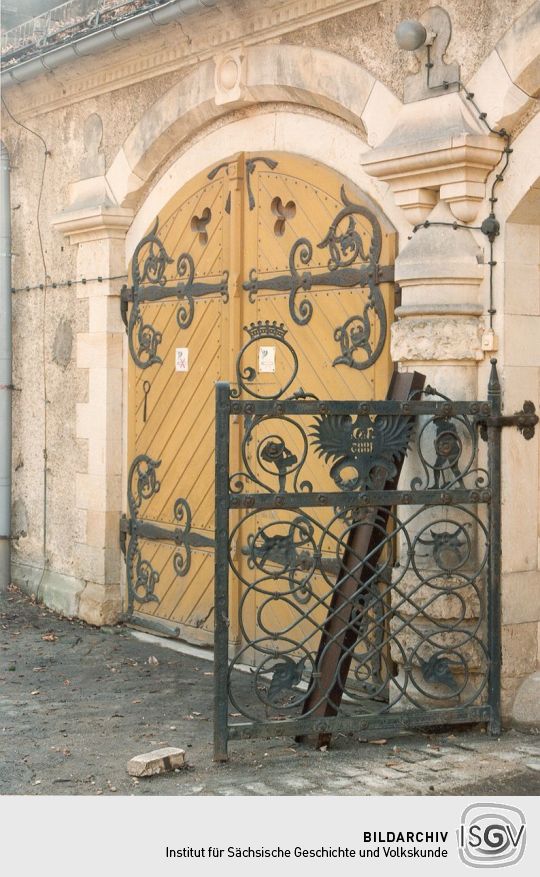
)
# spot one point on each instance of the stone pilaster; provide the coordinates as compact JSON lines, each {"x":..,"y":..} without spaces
{"x":436,"y":161}
{"x":99,"y":233}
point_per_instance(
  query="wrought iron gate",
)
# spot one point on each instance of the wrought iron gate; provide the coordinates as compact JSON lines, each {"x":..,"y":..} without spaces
{"x":388,"y":594}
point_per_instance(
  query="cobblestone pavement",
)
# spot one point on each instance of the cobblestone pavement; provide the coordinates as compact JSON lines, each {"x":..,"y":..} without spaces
{"x":76,"y":703}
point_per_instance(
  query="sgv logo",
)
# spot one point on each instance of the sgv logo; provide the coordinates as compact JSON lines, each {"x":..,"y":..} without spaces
{"x":491,"y":835}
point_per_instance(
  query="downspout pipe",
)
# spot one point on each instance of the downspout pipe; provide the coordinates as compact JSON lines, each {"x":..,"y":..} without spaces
{"x":100,"y":40}
{"x":5,"y":371}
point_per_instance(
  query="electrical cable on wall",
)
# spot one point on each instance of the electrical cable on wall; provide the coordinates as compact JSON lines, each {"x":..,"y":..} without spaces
{"x":46,"y":155}
{"x":61,"y":283}
{"x":490,"y":226}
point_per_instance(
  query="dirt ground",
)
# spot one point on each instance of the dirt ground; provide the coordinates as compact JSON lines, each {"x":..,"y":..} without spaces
{"x":77,"y":702}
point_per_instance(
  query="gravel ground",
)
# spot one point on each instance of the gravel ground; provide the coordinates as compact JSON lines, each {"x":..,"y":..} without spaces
{"x":77,"y":702}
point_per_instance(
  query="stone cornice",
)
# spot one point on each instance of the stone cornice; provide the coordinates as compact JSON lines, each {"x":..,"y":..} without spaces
{"x":220,"y":29}
{"x":94,"y":223}
{"x":437,"y":149}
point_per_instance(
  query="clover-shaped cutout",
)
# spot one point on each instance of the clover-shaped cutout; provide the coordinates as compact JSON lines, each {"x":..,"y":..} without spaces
{"x":199,"y":224}
{"x":283,"y":212}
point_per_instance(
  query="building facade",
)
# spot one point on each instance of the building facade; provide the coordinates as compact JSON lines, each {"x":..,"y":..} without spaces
{"x":181,"y":125}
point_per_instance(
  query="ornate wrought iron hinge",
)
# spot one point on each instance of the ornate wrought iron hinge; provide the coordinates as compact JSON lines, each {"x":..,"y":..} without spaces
{"x":126,"y":296}
{"x":525,"y":421}
{"x":125,"y":529}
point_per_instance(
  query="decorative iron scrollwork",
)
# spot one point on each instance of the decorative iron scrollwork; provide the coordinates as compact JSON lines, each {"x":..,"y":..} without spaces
{"x":362,"y":636}
{"x":285,"y":552}
{"x":438,"y":669}
{"x":155,"y":261}
{"x":141,"y":575}
{"x":286,"y":675}
{"x":246,"y":374}
{"x":450,"y":549}
{"x":142,"y":578}
{"x":150,"y":284}
{"x":142,"y":481}
{"x":364,"y":450}
{"x":182,"y":558}
{"x":350,"y":264}
{"x":250,"y":167}
{"x":447,"y":448}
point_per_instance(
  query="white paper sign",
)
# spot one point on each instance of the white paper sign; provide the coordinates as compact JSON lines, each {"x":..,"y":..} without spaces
{"x":182,"y":359}
{"x":267,"y":359}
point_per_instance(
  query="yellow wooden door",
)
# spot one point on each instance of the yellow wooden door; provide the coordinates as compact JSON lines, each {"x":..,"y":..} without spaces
{"x":273,"y":237}
{"x":308,"y":235}
{"x":177,"y":331}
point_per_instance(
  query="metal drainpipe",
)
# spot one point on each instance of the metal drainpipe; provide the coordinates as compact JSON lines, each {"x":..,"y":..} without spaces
{"x":5,"y":371}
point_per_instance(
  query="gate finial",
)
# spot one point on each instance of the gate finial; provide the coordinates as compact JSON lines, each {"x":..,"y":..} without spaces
{"x":494,"y":385}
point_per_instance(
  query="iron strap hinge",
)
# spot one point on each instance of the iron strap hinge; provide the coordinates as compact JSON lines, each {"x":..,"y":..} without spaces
{"x":525,"y":421}
{"x":126,"y":528}
{"x":385,"y":274}
{"x":127,"y":295}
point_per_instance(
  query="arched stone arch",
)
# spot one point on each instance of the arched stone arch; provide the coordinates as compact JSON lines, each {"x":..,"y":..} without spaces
{"x":522,"y":170}
{"x":253,"y":76}
{"x":508,"y":81}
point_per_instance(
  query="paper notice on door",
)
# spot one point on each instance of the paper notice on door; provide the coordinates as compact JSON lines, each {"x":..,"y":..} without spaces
{"x":267,"y":359}
{"x":182,"y":359}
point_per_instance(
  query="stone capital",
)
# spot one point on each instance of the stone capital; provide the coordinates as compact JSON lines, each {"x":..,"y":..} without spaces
{"x":437,"y":149}
{"x":94,"y":223}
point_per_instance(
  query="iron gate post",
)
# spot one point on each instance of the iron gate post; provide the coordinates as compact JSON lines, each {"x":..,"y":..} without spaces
{"x":221,"y":584}
{"x":494,"y":578}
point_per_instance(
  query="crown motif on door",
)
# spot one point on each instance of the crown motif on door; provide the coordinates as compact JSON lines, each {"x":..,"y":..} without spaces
{"x":266,"y":329}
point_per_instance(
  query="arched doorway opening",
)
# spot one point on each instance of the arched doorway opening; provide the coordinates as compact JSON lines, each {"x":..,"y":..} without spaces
{"x":270,"y":236}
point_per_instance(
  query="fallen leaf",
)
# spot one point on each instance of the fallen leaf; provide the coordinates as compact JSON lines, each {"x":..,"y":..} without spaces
{"x":67,"y":682}
{"x":49,"y":637}
{"x":235,"y":715}
{"x":135,"y":701}
{"x":193,"y":713}
{"x":35,"y":692}
{"x":378,"y":742}
{"x":323,"y":748}
{"x":153,"y":661}
{"x":208,"y":673}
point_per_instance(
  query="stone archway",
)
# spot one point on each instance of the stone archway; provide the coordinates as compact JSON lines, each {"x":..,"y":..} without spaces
{"x":250,"y":77}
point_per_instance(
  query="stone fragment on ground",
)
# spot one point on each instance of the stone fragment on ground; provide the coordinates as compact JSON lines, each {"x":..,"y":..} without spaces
{"x":158,"y":761}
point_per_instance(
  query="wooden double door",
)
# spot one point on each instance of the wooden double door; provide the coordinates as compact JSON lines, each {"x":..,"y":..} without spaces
{"x":259,"y":237}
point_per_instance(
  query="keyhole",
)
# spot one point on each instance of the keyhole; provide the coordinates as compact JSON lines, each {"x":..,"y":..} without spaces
{"x":283,"y":212}
{"x":199,"y":224}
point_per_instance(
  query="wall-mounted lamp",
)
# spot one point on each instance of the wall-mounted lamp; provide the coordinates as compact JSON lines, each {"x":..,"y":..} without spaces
{"x":429,"y":37}
{"x":412,"y":35}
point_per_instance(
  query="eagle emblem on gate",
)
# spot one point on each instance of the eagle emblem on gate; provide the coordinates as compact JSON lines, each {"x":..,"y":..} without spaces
{"x":365,"y":449}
